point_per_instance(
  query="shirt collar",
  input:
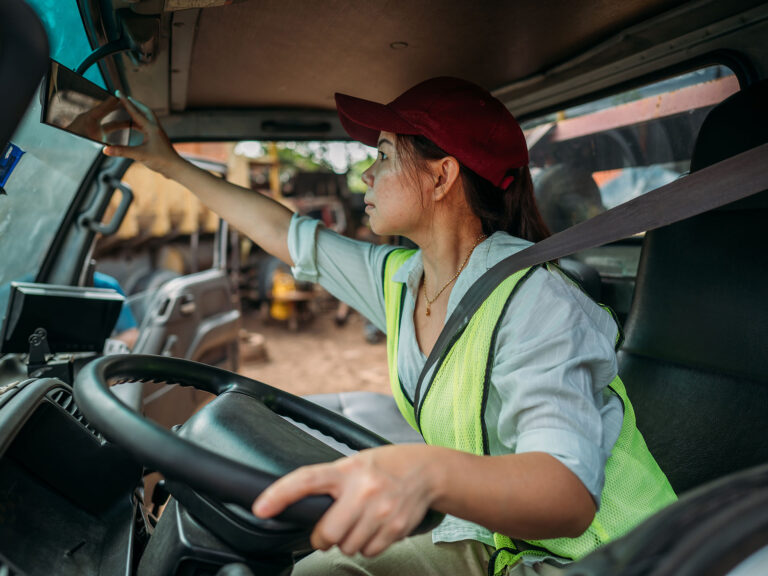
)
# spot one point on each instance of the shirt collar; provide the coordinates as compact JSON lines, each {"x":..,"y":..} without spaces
{"x":411,"y":272}
{"x":487,"y":254}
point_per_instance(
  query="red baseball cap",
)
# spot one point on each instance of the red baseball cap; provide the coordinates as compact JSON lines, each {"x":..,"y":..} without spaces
{"x":460,"y":117}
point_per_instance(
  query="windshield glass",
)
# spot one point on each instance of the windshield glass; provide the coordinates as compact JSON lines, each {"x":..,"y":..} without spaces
{"x":43,"y":167}
{"x":39,"y":189}
{"x":66,"y":36}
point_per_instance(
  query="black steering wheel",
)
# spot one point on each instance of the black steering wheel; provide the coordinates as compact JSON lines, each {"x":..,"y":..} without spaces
{"x":198,"y":467}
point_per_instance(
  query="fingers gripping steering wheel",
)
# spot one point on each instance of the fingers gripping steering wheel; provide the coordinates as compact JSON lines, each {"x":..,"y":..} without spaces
{"x":199,"y":468}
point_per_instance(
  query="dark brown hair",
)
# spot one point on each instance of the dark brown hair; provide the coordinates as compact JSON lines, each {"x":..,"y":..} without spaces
{"x":512,"y":210}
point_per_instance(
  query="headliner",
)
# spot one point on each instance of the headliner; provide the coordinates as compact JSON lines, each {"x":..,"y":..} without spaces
{"x":274,"y":53}
{"x":231,"y":63}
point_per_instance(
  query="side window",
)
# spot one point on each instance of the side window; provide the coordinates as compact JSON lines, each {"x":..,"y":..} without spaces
{"x":592,"y":157}
{"x":589,"y":158}
{"x":167,"y":232}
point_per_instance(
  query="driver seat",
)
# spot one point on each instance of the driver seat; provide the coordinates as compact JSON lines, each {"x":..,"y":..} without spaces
{"x":694,"y":360}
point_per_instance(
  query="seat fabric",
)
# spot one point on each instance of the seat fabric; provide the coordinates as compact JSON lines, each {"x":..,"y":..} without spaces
{"x":695,"y":358}
{"x":377,"y":412}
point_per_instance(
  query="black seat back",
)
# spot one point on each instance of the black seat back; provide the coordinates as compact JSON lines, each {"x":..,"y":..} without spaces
{"x":23,"y":58}
{"x":695,"y":358}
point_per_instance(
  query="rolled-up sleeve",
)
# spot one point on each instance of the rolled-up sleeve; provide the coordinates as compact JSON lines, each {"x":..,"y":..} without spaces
{"x":349,"y":269}
{"x":302,"y":236}
{"x":554,"y":357}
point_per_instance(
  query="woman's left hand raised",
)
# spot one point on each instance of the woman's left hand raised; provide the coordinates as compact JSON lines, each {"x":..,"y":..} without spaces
{"x":380,"y":496}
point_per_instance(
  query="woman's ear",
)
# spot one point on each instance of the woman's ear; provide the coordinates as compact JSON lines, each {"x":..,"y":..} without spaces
{"x":446,"y":173}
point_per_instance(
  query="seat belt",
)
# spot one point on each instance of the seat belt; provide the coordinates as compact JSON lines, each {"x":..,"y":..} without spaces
{"x":709,"y":188}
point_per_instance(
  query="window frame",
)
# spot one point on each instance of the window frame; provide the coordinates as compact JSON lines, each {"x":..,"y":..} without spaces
{"x":741,"y":67}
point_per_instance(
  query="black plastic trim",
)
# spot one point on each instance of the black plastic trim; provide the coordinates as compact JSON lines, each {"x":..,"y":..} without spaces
{"x":99,"y":33}
{"x":70,"y":219}
{"x":64,"y":399}
{"x":94,"y":177}
{"x":275,"y":124}
{"x":31,"y":394}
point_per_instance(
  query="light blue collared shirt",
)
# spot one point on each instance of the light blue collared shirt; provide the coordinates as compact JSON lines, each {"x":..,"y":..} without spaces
{"x":554,"y":355}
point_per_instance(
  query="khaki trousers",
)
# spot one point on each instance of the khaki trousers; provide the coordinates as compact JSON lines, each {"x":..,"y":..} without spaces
{"x":416,"y":555}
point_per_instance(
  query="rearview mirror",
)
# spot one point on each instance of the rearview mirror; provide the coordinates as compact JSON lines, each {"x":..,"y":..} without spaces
{"x":79,"y":106}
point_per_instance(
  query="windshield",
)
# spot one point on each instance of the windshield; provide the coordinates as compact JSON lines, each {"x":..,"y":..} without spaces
{"x":43,"y":167}
{"x":66,"y":36}
{"x":39,"y":189}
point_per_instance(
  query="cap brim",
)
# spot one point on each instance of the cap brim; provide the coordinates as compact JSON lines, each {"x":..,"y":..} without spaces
{"x":364,"y":120}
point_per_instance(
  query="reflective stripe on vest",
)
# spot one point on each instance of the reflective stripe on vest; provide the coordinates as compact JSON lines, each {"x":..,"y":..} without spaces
{"x":452,"y":415}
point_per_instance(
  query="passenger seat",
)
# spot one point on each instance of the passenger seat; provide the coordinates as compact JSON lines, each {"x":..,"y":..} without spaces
{"x":377,"y":412}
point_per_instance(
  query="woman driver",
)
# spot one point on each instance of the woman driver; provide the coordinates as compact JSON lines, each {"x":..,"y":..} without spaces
{"x":522,"y":414}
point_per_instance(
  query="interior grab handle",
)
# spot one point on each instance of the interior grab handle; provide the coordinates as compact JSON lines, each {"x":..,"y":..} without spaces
{"x":88,"y":220}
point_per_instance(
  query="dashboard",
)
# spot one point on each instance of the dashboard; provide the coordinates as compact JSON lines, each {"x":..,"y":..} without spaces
{"x":67,"y":496}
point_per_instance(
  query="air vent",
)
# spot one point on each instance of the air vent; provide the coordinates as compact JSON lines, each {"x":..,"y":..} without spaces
{"x":64,"y":399}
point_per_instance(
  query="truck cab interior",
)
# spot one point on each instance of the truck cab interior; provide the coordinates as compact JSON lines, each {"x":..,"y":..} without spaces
{"x":73,"y":456}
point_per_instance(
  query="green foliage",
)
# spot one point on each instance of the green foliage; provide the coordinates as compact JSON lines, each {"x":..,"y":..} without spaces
{"x":301,"y":157}
{"x":355,"y":175}
{"x":314,"y":157}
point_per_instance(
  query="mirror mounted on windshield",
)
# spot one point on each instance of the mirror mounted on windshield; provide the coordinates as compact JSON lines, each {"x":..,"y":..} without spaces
{"x":77,"y":105}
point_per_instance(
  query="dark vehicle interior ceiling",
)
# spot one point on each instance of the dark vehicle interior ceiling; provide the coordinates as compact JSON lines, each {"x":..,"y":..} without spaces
{"x":259,"y":55}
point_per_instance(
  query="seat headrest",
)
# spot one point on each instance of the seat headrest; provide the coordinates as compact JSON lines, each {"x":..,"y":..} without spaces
{"x":739,"y":123}
{"x":23,"y":59}
{"x":698,"y":301}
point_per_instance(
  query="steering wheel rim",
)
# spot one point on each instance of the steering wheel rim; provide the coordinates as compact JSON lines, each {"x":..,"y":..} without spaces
{"x":183,"y":461}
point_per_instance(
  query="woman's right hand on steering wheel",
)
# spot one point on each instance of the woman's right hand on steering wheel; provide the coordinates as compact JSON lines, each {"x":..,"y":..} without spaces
{"x":155,"y":151}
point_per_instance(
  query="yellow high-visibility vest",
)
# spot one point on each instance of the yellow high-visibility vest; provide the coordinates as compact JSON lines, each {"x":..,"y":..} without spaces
{"x":451,"y":414}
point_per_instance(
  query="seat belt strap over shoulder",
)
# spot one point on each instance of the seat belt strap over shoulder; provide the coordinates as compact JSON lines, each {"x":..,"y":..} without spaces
{"x":723,"y":183}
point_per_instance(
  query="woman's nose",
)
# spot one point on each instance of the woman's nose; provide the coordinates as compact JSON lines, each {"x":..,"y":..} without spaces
{"x":368,"y":177}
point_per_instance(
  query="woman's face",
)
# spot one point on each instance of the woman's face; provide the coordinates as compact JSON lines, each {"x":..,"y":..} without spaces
{"x":395,"y":202}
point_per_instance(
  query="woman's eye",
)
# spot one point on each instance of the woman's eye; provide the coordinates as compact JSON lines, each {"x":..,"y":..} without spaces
{"x":382,"y":156}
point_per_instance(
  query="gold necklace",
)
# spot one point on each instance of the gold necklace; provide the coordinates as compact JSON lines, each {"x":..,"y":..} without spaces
{"x":463,"y":264}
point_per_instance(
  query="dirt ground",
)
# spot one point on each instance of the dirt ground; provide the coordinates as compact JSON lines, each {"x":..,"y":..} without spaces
{"x":319,"y":357}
